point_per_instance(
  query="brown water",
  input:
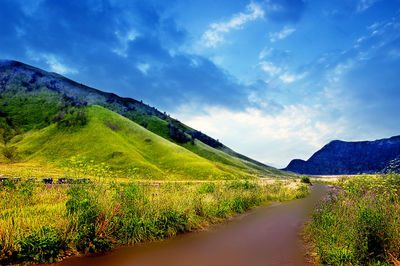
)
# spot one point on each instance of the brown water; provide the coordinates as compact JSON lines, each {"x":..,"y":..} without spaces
{"x":264,"y":236}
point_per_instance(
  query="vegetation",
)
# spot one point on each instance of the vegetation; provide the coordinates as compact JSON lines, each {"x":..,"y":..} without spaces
{"x":130,"y":150}
{"x":10,"y":153}
{"x":75,"y":118}
{"x":58,"y":134}
{"x":359,"y":222}
{"x":305,"y":179}
{"x":46,"y":223}
{"x":49,"y":98}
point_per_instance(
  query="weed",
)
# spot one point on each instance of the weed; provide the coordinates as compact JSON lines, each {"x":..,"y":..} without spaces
{"x":43,"y":245}
{"x":305,"y":179}
{"x":41,"y":222}
{"x":241,"y":184}
{"x":206,"y":188}
{"x":358,"y":222}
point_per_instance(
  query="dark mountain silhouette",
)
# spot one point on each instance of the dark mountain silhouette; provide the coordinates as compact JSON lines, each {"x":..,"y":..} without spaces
{"x":341,"y":157}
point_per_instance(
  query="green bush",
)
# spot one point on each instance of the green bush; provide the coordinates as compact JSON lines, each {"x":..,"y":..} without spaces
{"x":206,"y":188}
{"x":241,"y":185}
{"x":170,"y":222}
{"x":75,"y":117}
{"x":43,"y":245}
{"x":10,"y":153}
{"x":85,"y":214}
{"x":305,"y":179}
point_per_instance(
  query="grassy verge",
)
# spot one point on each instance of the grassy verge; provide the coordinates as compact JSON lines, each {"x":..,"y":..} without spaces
{"x":46,"y":223}
{"x":359,"y":222}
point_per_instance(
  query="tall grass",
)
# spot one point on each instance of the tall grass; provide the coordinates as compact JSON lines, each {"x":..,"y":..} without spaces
{"x":46,"y":223}
{"x":359,"y":222}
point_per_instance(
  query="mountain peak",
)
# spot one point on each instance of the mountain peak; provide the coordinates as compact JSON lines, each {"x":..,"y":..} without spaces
{"x":6,"y":62}
{"x":349,"y":157}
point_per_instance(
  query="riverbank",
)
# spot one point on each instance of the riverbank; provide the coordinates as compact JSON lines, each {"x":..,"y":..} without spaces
{"x":48,"y":223}
{"x":359,"y":222}
{"x":267,"y":235}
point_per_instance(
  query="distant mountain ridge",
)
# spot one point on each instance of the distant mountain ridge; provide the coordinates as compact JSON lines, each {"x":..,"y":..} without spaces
{"x":341,"y":157}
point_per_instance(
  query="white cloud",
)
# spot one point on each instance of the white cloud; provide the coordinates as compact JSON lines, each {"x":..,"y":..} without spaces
{"x":214,"y":34}
{"x":285,"y":32}
{"x":56,"y":66}
{"x":295,"y":132}
{"x":52,"y":61}
{"x":270,"y":68}
{"x":124,"y":40}
{"x":143,"y":67}
{"x":265,"y":52}
{"x":335,"y":75}
{"x":365,"y":4}
{"x":289,"y":78}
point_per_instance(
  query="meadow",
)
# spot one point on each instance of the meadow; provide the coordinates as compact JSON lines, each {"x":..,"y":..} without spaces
{"x":358,"y":223}
{"x":49,"y":222}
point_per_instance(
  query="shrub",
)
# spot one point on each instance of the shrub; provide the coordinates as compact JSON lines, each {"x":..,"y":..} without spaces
{"x":305,"y":179}
{"x":177,"y":134}
{"x":10,"y":153}
{"x":206,"y":188}
{"x":241,"y":185}
{"x":170,"y":222}
{"x":43,"y":245}
{"x":85,"y":214}
{"x":75,"y":117}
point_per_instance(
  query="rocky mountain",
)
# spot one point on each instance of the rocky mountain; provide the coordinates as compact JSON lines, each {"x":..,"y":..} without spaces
{"x":341,"y":157}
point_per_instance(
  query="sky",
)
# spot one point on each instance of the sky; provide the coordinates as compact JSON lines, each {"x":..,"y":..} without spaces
{"x":272,"y":79}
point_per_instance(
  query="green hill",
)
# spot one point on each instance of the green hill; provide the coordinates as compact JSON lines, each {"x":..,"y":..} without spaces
{"x":50,"y":119}
{"x":121,"y":143}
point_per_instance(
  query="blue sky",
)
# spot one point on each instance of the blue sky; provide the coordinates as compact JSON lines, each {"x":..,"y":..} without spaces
{"x":274,"y":80}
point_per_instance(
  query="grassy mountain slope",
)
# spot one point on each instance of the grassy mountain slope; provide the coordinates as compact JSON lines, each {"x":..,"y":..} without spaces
{"x":33,"y":101}
{"x":109,"y":137}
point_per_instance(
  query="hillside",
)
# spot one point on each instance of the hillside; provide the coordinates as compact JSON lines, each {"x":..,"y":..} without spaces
{"x":50,"y":118}
{"x":341,"y":157}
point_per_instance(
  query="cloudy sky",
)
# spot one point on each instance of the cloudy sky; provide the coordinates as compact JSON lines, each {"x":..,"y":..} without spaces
{"x":272,"y":79}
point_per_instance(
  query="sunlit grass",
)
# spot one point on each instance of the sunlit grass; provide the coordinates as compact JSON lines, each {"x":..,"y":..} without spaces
{"x":128,"y":149}
{"x":70,"y":219}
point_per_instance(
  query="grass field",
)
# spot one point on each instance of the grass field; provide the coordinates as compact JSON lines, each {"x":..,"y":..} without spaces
{"x":359,"y":222}
{"x":45,"y":223}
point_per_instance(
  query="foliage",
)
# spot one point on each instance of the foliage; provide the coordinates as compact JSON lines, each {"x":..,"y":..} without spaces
{"x":71,"y":117}
{"x":207,"y":188}
{"x":45,"y":223}
{"x":177,"y":134}
{"x":43,"y":245}
{"x":358,"y":223}
{"x":241,"y":184}
{"x":131,"y":150}
{"x":84,"y":213}
{"x":205,"y":139}
{"x":7,"y":133}
{"x":305,"y":179}
{"x":10,"y":153}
